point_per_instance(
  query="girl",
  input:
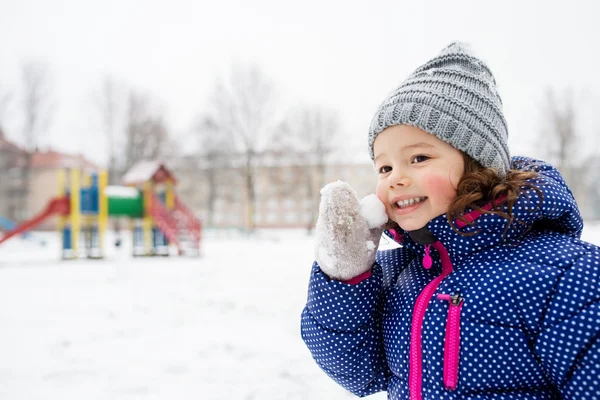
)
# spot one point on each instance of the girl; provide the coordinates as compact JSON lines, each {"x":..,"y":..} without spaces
{"x":491,"y":295}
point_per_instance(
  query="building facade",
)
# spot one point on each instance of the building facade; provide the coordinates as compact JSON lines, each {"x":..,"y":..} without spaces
{"x":286,"y":194}
{"x":12,"y":159}
{"x":20,"y":203}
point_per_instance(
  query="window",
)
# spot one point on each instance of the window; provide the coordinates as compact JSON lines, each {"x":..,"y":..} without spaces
{"x":271,"y":218}
{"x":291,"y":217}
{"x":289,"y":204}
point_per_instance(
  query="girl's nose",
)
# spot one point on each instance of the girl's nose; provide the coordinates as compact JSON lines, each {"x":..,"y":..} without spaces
{"x":398,"y":178}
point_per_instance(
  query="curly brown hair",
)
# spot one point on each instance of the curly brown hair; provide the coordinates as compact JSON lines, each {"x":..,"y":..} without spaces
{"x":479,"y":186}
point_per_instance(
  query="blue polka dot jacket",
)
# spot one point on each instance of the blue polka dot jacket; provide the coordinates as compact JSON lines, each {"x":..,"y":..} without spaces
{"x":488,"y":316}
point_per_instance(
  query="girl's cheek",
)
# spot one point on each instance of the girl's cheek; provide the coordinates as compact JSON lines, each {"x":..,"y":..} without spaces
{"x":381,"y":193}
{"x":439,"y":187}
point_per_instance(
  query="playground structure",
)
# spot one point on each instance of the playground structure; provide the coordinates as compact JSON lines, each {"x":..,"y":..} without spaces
{"x":165,"y":219}
{"x":159,"y":219}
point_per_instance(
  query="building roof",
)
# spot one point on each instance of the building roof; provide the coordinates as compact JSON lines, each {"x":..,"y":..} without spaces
{"x":145,"y":171}
{"x":47,"y":159}
{"x":55,"y":159}
{"x":5,"y":144}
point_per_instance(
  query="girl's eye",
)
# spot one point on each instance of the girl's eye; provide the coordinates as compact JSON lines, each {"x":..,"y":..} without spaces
{"x":385,"y":169}
{"x":419,"y":159}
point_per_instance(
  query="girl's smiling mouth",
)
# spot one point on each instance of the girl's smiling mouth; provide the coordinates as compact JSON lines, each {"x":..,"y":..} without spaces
{"x":407,"y":205}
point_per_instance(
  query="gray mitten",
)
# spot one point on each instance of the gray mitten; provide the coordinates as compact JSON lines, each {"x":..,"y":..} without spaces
{"x":348,"y":231}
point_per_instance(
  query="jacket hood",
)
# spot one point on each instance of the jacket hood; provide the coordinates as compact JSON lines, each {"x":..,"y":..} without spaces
{"x":556,"y":212}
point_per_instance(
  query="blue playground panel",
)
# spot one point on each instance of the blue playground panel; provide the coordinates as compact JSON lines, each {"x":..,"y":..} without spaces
{"x":159,"y":238}
{"x":67,"y":238}
{"x":138,"y":237}
{"x":9,"y":225}
{"x":89,"y":201}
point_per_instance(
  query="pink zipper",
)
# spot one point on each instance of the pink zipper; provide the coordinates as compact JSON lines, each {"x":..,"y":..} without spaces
{"x":415,"y":368}
{"x":452,"y":341}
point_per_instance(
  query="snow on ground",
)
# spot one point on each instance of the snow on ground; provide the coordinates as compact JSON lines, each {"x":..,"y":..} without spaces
{"x":222,"y":326}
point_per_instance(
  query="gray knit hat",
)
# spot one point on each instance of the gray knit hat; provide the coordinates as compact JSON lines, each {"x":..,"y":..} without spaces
{"x":454,"y":97}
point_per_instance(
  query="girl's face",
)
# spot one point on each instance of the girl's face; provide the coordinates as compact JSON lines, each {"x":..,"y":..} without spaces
{"x":415,"y":166}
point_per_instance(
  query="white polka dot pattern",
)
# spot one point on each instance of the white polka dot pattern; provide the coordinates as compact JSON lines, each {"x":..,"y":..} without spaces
{"x":530,"y":321}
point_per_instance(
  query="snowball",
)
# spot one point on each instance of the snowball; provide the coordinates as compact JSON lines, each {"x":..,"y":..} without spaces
{"x":373,"y":211}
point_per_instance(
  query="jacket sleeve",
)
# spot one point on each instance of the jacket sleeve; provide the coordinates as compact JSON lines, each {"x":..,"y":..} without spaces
{"x":341,"y":326}
{"x":569,"y":341}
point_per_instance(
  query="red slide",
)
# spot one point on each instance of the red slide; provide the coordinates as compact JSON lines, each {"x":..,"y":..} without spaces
{"x":192,"y":223}
{"x":58,"y":205}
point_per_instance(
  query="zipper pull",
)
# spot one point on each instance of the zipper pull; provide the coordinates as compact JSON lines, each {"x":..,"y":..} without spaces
{"x":455,"y":300}
{"x":427,"y":261}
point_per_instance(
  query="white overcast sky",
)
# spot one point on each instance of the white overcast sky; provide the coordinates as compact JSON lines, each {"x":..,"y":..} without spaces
{"x":343,"y":54}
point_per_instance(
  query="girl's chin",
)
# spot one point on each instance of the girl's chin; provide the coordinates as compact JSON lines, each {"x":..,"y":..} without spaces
{"x":411,"y":225}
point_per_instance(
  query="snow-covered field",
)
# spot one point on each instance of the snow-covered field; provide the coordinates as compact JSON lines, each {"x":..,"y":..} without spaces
{"x":222,"y":326}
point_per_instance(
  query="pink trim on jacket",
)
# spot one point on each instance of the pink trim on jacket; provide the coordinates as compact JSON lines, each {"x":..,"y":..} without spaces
{"x":473,"y":215}
{"x":415,"y":362}
{"x":395,"y":235}
{"x":358,"y":279}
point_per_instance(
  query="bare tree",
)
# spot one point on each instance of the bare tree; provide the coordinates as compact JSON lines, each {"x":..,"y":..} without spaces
{"x":242,"y":108}
{"x":146,"y":134}
{"x":590,"y":175}
{"x":213,"y":156}
{"x":9,"y":157}
{"x":559,"y":139}
{"x":5,"y":99}
{"x":4,"y":156}
{"x":111,"y":107}
{"x":38,"y":108}
{"x":5,"y":159}
{"x":38,"y":105}
{"x":310,"y":133}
